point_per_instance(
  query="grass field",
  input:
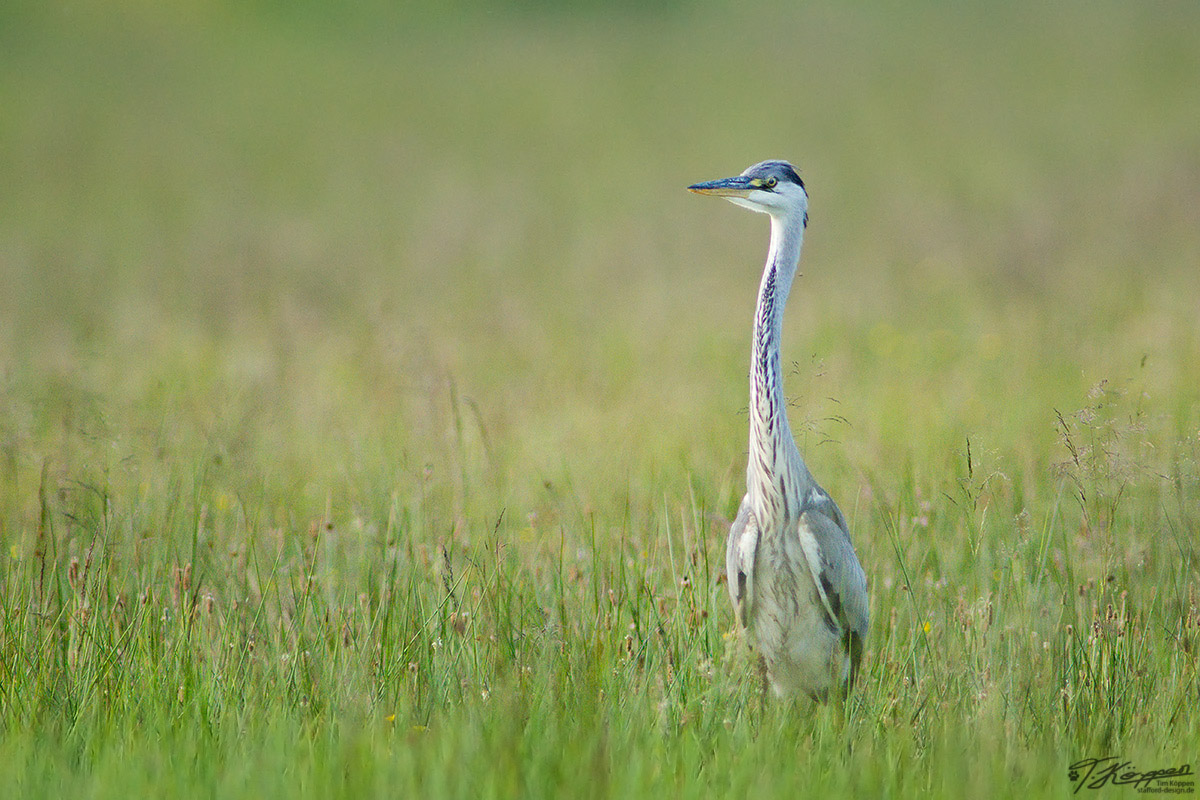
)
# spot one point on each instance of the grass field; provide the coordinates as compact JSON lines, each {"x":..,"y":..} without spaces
{"x":373,"y":395}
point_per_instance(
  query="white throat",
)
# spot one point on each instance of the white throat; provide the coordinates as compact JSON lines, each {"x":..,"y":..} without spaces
{"x":775,"y":470}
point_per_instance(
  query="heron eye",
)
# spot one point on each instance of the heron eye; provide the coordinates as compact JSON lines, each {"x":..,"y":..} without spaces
{"x":770,"y":182}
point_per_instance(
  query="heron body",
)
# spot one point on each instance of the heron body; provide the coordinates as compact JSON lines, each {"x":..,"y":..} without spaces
{"x":794,"y":579}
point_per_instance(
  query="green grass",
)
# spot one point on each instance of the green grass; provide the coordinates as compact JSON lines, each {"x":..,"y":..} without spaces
{"x":372,"y":395}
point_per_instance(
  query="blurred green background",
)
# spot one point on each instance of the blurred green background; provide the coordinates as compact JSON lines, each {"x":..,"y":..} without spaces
{"x":427,"y":274}
{"x":305,"y":213}
{"x":344,"y":247}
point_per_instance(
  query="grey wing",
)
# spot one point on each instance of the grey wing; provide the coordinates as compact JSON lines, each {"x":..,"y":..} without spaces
{"x":839,"y":578}
{"x":740,"y":550}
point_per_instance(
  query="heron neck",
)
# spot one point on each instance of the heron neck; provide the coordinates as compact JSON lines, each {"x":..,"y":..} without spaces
{"x":774,"y":459}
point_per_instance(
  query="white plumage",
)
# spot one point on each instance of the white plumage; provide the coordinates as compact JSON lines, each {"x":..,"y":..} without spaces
{"x":794,"y":579}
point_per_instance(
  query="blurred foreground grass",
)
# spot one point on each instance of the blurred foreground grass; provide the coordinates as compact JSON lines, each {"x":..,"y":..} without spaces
{"x":372,"y":394}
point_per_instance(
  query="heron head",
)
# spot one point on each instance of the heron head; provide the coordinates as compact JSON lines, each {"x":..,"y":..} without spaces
{"x":771,"y":187}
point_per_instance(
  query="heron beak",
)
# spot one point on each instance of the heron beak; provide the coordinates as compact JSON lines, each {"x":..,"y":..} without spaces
{"x":740,"y":186}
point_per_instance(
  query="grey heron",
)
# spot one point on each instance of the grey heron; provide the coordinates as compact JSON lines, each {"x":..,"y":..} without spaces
{"x":794,"y":579}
